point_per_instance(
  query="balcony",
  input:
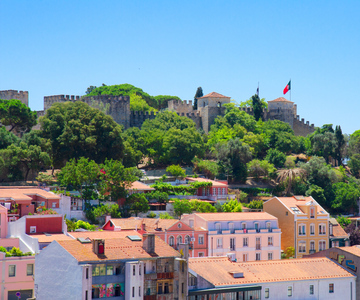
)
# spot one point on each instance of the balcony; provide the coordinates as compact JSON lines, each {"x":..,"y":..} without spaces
{"x":168,"y":275}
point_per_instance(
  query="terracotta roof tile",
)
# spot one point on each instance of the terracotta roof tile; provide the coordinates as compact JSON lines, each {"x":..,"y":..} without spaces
{"x":216,"y":270}
{"x":134,"y":223}
{"x":24,"y":194}
{"x":236,"y":216}
{"x":137,"y":185}
{"x":103,"y":234}
{"x":214,"y":95}
{"x":121,"y":248}
{"x":48,"y":238}
{"x":281,"y":99}
{"x":337,"y":230}
{"x":299,"y":201}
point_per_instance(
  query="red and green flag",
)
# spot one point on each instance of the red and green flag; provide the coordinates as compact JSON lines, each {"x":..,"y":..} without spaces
{"x":287,"y":88}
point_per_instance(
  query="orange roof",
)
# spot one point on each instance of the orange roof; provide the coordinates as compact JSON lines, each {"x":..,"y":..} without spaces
{"x":353,"y":249}
{"x":49,"y":237}
{"x":24,"y":194}
{"x":299,"y":201}
{"x":281,"y":99}
{"x":122,"y":248}
{"x":136,"y":223}
{"x":235,"y":216}
{"x":218,"y":270}
{"x":137,"y":185}
{"x":337,"y":230}
{"x":214,"y":183}
{"x":103,"y":234}
{"x":214,"y":95}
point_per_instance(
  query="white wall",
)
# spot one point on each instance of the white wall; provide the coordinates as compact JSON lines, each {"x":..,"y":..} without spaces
{"x":57,"y":274}
{"x":301,"y":289}
{"x":26,"y":243}
{"x":134,"y":281}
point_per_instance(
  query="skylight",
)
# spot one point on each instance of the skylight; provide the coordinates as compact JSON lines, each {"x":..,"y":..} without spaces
{"x":296,"y":210}
{"x":134,"y":238}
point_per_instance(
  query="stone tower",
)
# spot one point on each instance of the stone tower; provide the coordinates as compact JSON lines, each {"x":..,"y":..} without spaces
{"x":210,"y":106}
{"x":283,"y":110}
{"x":23,"y":96}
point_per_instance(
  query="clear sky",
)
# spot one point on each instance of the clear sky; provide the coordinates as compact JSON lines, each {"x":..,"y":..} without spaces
{"x":172,"y":47}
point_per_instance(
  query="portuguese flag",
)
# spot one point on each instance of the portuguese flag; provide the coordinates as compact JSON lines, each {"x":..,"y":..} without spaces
{"x":287,"y":88}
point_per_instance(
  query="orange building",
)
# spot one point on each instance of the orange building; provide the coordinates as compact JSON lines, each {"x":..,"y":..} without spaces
{"x":304,"y":223}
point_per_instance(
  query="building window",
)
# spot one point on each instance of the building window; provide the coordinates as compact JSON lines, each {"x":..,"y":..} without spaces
{"x":133,"y":291}
{"x":322,"y":229}
{"x":139,"y":269}
{"x":331,"y":288}
{"x":270,"y":241}
{"x":302,"y":229}
{"x":171,"y":241}
{"x":270,"y":256}
{"x":201,"y":254}
{"x":256,"y":227}
{"x":312,"y":229}
{"x":179,"y":240}
{"x":257,"y":256}
{"x":312,"y":212}
{"x":245,"y":257}
{"x":312,"y":246}
{"x":134,"y":271}
{"x":268,"y":226}
{"x":187,"y":239}
{"x":110,"y":270}
{"x":191,"y":223}
{"x":30,"y":270}
{"x":231,"y":228}
{"x":322,"y":245}
{"x":32,"y":229}
{"x":286,"y":213}
{"x":243,"y":226}
{"x":95,"y":293}
{"x":218,"y":228}
{"x":182,"y":288}
{"x":86,"y":295}
{"x":289,"y":291}
{"x":219,"y":243}
{"x":160,"y":290}
{"x":302,"y":246}
{"x":267,"y":293}
{"x":201,"y":240}
{"x":12,"y":270}
{"x":223,"y":191}
{"x":258,"y":243}
{"x":311,"y":289}
{"x":245,"y":242}
{"x":139,"y":291}
{"x":232,"y":244}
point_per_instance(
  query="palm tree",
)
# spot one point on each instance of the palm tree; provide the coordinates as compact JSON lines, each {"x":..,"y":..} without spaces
{"x":288,"y":176}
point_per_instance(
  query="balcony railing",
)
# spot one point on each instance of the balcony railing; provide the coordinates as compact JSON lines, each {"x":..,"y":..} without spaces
{"x":168,"y":275}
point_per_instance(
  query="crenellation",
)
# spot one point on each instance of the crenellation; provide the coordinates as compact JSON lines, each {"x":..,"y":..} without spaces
{"x":23,"y":96}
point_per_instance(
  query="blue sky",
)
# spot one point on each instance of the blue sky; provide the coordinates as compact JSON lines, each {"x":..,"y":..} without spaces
{"x":172,"y":47}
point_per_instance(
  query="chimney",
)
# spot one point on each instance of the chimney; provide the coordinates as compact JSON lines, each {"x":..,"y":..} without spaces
{"x":184,"y":250}
{"x":107,"y":218}
{"x":149,"y":243}
{"x":143,"y":226}
{"x":98,"y":246}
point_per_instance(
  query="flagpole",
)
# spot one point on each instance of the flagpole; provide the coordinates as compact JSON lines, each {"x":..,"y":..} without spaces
{"x":290,"y":89}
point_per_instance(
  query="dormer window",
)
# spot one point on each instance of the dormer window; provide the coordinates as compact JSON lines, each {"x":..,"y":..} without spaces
{"x":218,"y":228}
{"x":256,"y":227}
{"x":243,"y":226}
{"x":312,"y":212}
{"x":231,"y":228}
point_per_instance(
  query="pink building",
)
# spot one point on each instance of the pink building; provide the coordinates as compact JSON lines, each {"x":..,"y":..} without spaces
{"x":243,"y":236}
{"x":22,"y":201}
{"x":17,"y":277}
{"x":218,"y":188}
{"x":6,"y":242}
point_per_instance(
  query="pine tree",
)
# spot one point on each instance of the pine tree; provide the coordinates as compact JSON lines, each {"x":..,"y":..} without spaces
{"x":198,"y":94}
{"x":257,"y":107}
{"x":340,"y":142}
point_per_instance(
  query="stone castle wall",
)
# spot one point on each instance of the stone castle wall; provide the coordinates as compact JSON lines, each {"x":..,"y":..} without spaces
{"x":23,"y":96}
{"x":180,"y":106}
{"x":302,"y":128}
{"x":137,"y":118}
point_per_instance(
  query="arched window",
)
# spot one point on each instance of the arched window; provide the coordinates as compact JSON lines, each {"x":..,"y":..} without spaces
{"x":219,"y":104}
{"x":179,"y":239}
{"x":187,"y":239}
{"x":171,"y":241}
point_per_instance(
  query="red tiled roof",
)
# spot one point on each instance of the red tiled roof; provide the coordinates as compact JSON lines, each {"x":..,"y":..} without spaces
{"x":236,"y":216}
{"x":23,"y":194}
{"x":103,"y":234}
{"x":337,"y":230}
{"x":281,"y":99}
{"x":136,"y":223}
{"x":48,"y":238}
{"x":122,"y":248}
{"x":299,"y":201}
{"x":137,"y":185}
{"x":214,"y":95}
{"x":217,"y":270}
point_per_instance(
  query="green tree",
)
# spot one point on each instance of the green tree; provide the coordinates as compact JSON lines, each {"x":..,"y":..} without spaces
{"x":7,"y":138}
{"x":232,"y":158}
{"x":346,"y":197}
{"x":182,"y":206}
{"x":137,"y":203}
{"x":276,"y":157}
{"x":76,"y":130}
{"x":260,"y":168}
{"x":340,"y":144}
{"x":115,"y":179}
{"x":232,"y":206}
{"x":81,"y":175}
{"x":201,"y":206}
{"x":176,"y":170}
{"x":257,"y":107}
{"x":17,"y":115}
{"x":198,"y":94}
{"x":137,"y":103}
{"x":324,"y":145}
{"x":207,"y":167}
{"x":107,"y":210}
{"x":354,"y":164}
{"x":256,"y":204}
{"x":287,"y":177}
{"x":165,"y":215}
{"x":234,"y":116}
{"x":343,"y":221}
{"x":318,"y":194}
{"x":90,"y":89}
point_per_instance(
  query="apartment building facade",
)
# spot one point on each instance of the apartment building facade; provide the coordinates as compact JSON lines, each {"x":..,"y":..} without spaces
{"x":304,"y":223}
{"x":243,"y":236}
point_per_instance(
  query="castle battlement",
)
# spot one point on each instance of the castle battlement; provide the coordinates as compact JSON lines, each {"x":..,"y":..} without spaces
{"x":143,"y":113}
{"x":23,"y":96}
{"x":106,"y":98}
{"x":180,"y":106}
{"x":61,"y":98}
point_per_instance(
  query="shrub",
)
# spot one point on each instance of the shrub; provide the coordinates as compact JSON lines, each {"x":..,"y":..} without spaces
{"x":276,"y":157}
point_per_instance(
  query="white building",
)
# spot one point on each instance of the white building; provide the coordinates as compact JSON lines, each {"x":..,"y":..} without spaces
{"x":316,"y":278}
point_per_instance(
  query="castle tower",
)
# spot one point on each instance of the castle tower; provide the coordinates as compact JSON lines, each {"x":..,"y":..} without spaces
{"x":283,"y":110}
{"x":23,"y":96}
{"x":211,"y":106}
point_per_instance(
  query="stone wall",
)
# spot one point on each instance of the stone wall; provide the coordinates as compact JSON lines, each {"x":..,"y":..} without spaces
{"x":302,"y":128}
{"x":180,"y":106}
{"x":195,"y":116}
{"x":23,"y":96}
{"x":208,"y":116}
{"x":137,"y":118}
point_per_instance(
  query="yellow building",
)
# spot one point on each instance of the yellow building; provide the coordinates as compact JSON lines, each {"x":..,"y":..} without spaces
{"x":303,"y":222}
